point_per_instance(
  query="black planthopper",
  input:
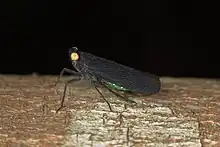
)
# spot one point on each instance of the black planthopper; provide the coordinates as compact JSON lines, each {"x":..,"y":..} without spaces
{"x":109,"y":74}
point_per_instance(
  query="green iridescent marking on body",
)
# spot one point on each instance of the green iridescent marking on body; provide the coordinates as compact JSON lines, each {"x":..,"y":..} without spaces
{"x":115,"y":86}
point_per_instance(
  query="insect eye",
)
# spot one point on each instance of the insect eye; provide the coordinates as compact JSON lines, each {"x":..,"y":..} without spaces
{"x":74,"y":56}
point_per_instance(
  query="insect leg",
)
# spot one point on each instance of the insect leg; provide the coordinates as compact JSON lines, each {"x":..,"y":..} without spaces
{"x":118,"y":95}
{"x":67,"y":71}
{"x":103,"y":97}
{"x":64,"y":91}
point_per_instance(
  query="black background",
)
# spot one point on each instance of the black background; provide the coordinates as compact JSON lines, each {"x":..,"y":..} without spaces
{"x":167,"y":38}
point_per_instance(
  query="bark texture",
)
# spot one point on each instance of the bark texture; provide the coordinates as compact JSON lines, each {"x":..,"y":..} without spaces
{"x":184,"y":113}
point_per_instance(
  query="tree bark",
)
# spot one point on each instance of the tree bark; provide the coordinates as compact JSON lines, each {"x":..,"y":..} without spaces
{"x":184,"y":113}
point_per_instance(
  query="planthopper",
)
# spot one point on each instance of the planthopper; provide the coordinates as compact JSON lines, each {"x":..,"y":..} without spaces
{"x":109,"y":74}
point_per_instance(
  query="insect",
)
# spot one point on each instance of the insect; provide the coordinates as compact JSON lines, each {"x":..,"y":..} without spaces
{"x":109,"y":74}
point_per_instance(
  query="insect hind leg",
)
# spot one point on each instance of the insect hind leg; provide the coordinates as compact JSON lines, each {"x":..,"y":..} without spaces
{"x":118,"y":95}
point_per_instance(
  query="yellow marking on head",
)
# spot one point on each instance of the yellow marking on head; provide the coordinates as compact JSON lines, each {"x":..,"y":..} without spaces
{"x":74,"y":56}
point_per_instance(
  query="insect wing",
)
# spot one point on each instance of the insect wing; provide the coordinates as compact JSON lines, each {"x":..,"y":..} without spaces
{"x":129,"y":78}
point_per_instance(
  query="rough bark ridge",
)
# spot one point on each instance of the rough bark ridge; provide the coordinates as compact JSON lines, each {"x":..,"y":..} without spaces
{"x":184,"y":113}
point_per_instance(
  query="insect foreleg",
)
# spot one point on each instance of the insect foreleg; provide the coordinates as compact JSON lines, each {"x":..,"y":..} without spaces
{"x":64,"y":91}
{"x":67,"y":71}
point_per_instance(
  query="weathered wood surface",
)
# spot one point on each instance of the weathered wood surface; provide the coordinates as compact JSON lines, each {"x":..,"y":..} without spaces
{"x":184,"y":113}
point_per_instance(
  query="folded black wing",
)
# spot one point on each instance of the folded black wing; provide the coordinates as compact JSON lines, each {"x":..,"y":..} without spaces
{"x":129,"y":78}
